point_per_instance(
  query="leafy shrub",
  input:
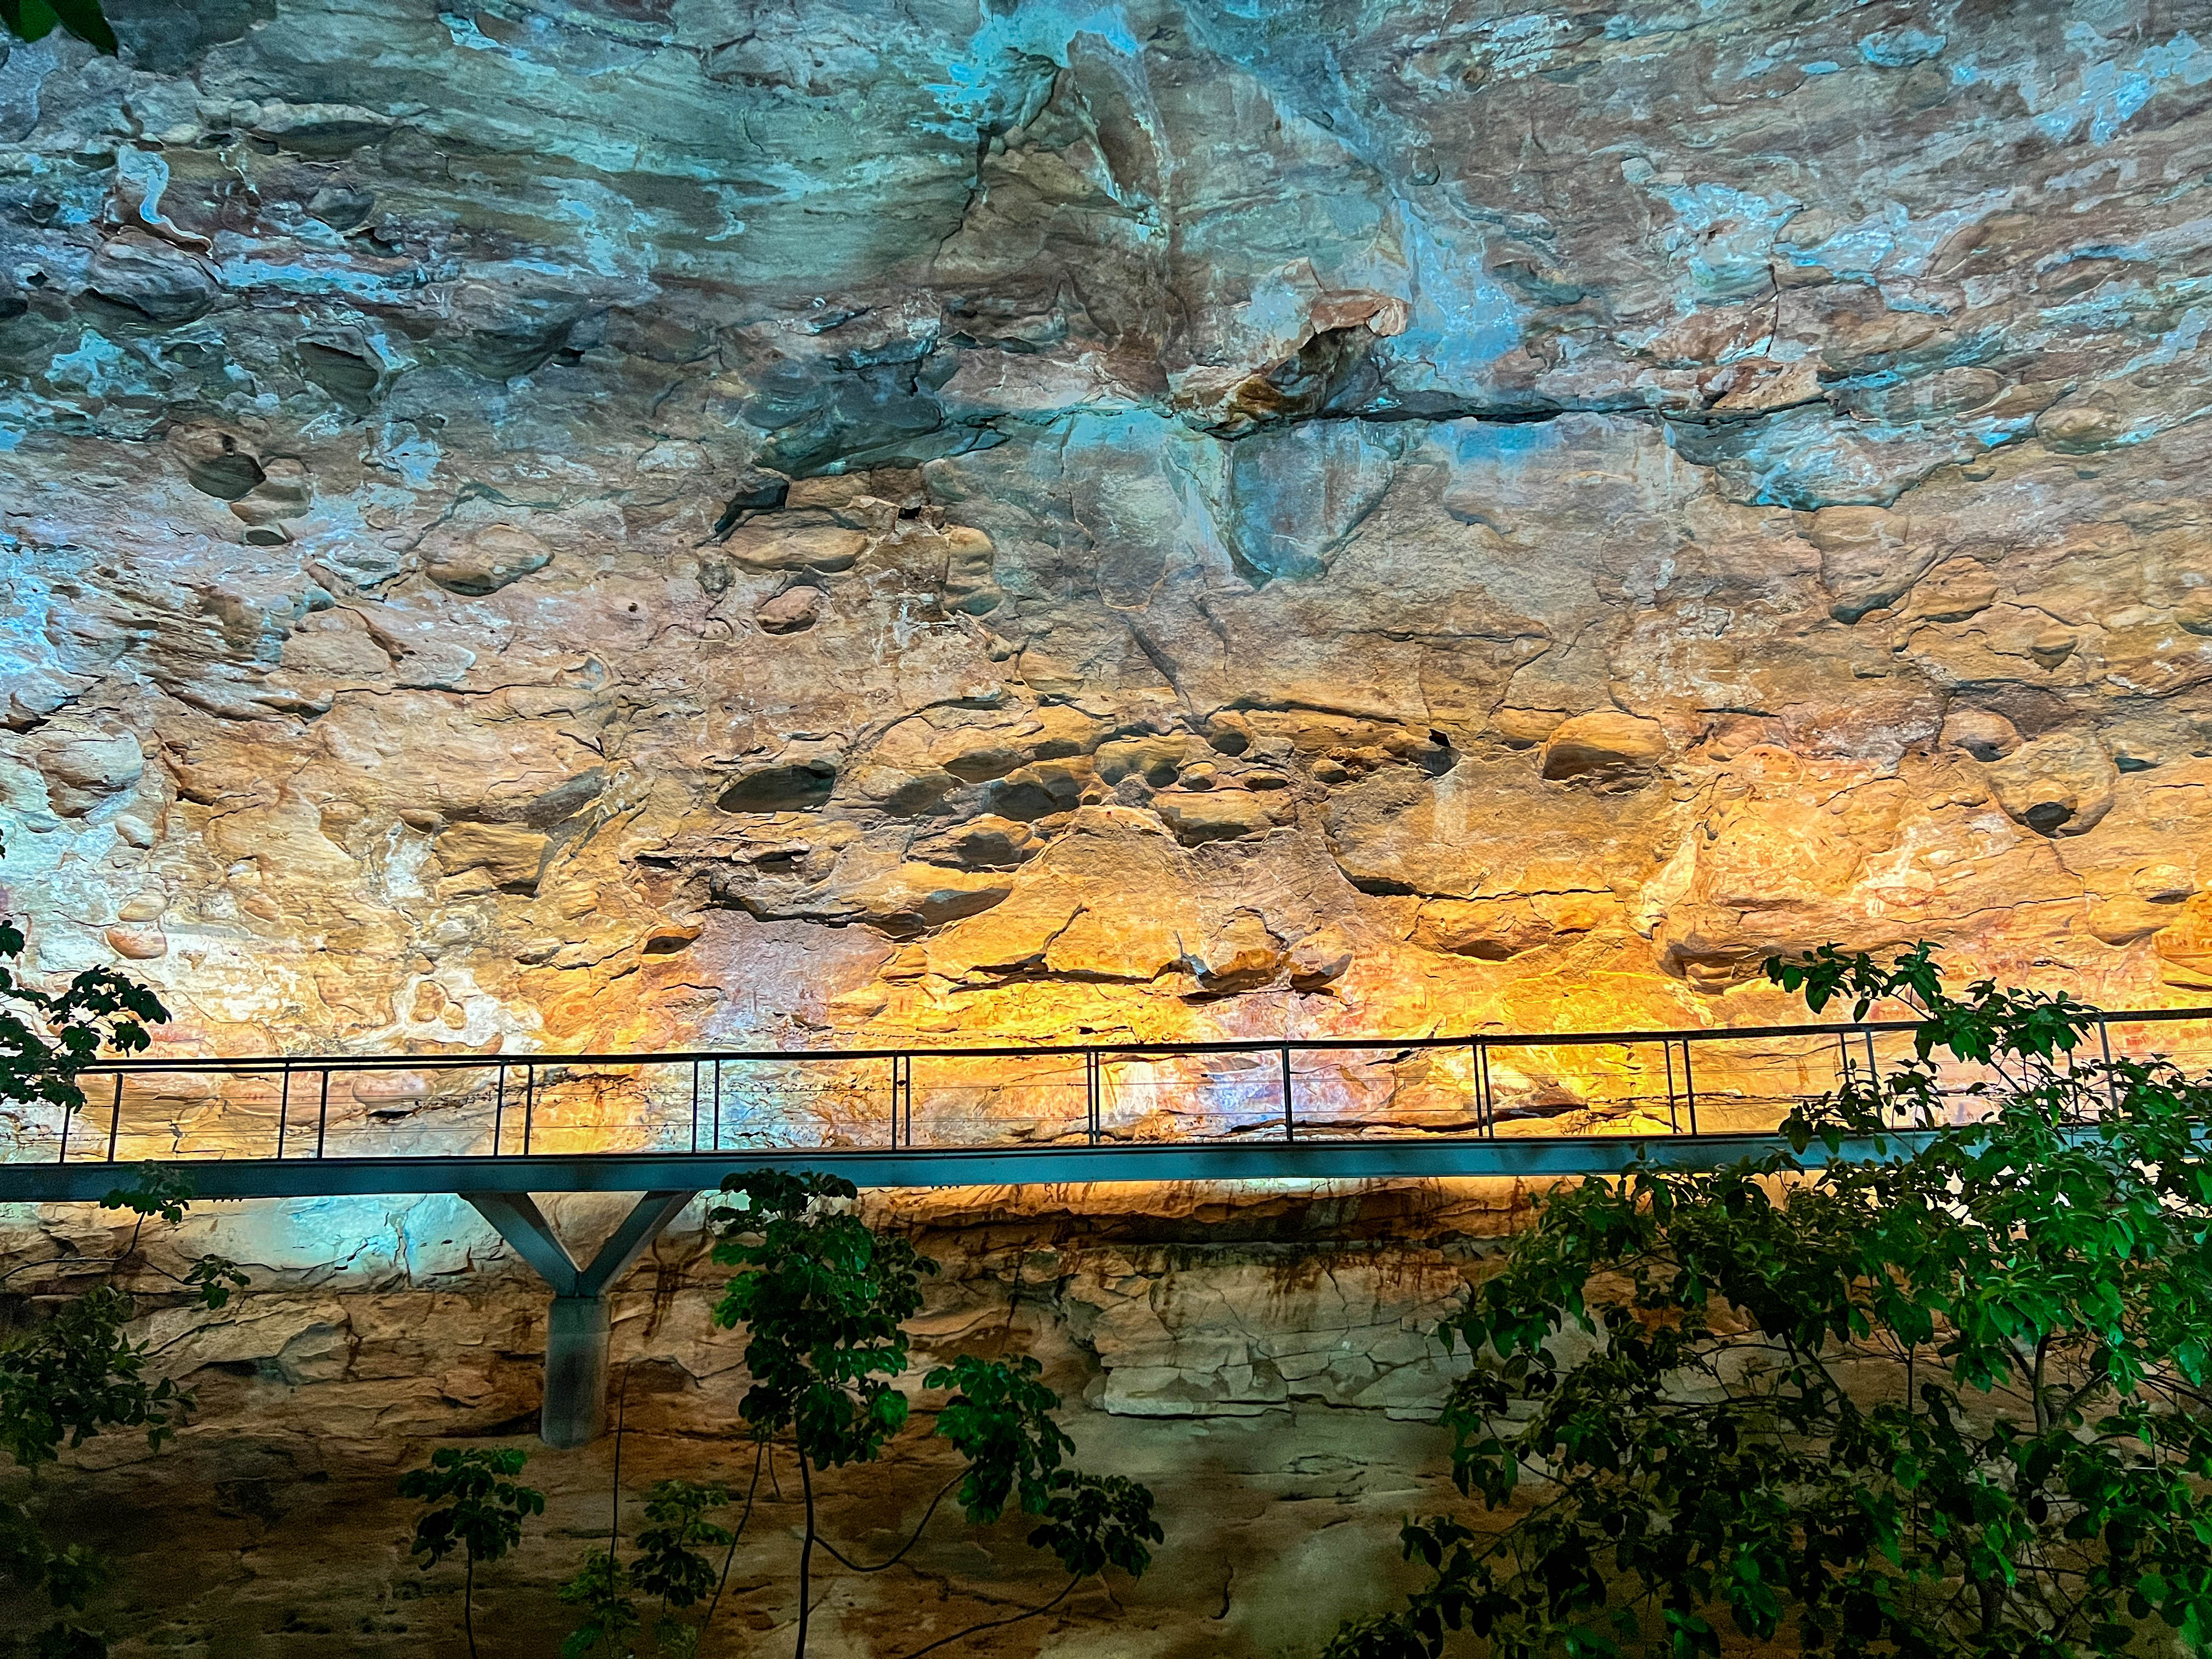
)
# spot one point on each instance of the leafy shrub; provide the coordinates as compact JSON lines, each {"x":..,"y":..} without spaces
{"x":823,"y":1297}
{"x":34,"y":20}
{"x":602,"y":1589}
{"x":76,"y":1373}
{"x":475,"y":1506}
{"x":1940,"y":1391}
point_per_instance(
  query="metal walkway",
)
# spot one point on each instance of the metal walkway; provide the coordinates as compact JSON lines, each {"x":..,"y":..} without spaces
{"x":495,"y":1129}
{"x":1307,"y":1159}
{"x":1353,"y":1107}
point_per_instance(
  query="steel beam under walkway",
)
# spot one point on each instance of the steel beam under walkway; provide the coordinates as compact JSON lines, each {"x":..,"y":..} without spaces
{"x":578,"y":1326}
{"x":1493,"y":1131}
{"x":1535,"y":1157}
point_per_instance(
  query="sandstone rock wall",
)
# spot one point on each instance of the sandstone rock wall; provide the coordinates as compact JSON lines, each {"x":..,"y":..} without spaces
{"x":597,"y":524}
{"x":1262,"y":1359}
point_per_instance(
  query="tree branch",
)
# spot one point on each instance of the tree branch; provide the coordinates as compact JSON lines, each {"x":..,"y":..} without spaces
{"x":996,"y":1624}
{"x":880,"y":1566}
{"x":760,"y":1449}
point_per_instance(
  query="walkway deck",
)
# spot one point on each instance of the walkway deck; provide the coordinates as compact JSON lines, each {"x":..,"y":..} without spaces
{"x":1496,"y":1104}
{"x":667,"y":1125}
{"x":919,"y":1166}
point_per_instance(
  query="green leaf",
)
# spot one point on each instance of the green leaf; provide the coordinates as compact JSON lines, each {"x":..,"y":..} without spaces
{"x":668,"y":1565}
{"x":601,"y":1589}
{"x":76,"y":1375}
{"x":822,"y":1297}
{"x":84,"y":19}
{"x":476,"y":1507}
{"x":28,"y":19}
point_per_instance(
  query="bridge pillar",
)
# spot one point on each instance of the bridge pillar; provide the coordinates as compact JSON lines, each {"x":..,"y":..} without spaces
{"x":578,"y":1337}
{"x":579,"y":1326}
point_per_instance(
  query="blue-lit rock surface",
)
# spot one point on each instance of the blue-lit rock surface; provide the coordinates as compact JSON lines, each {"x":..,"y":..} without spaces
{"x":566,"y":525}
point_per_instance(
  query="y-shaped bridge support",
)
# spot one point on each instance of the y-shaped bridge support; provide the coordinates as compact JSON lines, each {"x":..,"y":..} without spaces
{"x":576,"y":1336}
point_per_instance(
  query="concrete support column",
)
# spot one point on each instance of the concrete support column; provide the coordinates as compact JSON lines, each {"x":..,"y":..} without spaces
{"x":578,"y":1328}
{"x":577,"y":1340}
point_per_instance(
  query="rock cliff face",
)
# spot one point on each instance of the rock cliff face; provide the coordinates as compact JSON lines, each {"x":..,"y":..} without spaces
{"x":1261,"y":1360}
{"x":597,"y":524}
{"x":546,"y":525}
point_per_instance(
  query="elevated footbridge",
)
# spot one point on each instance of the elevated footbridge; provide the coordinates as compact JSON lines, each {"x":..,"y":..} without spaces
{"x":498,"y":1129}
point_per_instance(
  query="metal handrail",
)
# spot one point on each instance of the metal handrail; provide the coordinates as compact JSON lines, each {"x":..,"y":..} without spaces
{"x":247,"y":1064}
{"x":541,"y":1069}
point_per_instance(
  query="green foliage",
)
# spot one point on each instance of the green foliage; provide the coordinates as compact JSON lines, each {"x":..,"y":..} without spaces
{"x":64,"y":1640}
{"x":823,"y":1298}
{"x":74,"y":1375}
{"x":47,"y":1038}
{"x":167,"y":1192}
{"x":71,"y":1376}
{"x":820,"y":1297}
{"x":476,"y":1505}
{"x":602,"y":1590}
{"x":1092,"y":1521}
{"x":668,"y":1565}
{"x":1984,"y":1025}
{"x":68,"y":1576}
{"x":1000,"y":1421}
{"x":1943,"y":1397}
{"x":159,"y":1189}
{"x":999,"y":1418}
{"x":1446,"y":1603}
{"x":213,"y":1277}
{"x":34,"y":20}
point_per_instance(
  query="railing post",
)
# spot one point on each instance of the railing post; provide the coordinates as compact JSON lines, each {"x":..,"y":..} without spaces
{"x":1859,"y":1070}
{"x":2105,"y":1041}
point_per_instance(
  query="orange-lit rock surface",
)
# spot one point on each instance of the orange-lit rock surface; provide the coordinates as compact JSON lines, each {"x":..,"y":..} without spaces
{"x":729,"y":526}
